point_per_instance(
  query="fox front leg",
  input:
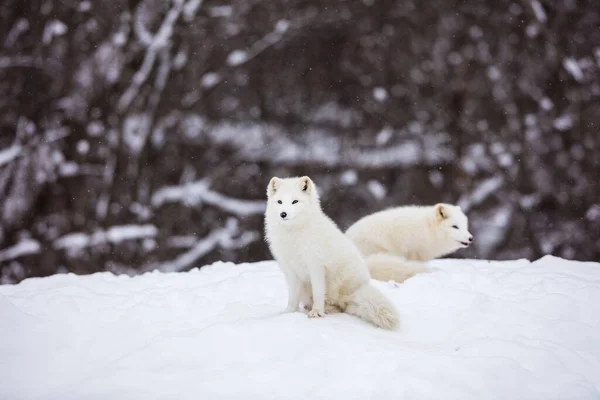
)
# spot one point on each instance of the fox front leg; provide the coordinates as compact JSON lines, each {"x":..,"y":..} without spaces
{"x":294,"y":289}
{"x":317,"y":280}
{"x":306,"y":296}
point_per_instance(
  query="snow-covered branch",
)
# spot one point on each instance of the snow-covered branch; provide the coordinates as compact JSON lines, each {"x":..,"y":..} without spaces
{"x":239,"y":57}
{"x":114,"y":235}
{"x":495,"y":229}
{"x":20,"y":61}
{"x":159,"y":41}
{"x":270,"y":143}
{"x":223,"y":237}
{"x":22,"y":248}
{"x":199,"y":192}
{"x":10,"y":153}
{"x":481,"y":193}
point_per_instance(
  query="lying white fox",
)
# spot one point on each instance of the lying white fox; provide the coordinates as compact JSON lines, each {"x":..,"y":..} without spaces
{"x":392,"y":240}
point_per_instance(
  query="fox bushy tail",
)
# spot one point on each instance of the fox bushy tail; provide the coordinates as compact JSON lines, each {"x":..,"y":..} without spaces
{"x":370,"y":304}
{"x":386,"y":267}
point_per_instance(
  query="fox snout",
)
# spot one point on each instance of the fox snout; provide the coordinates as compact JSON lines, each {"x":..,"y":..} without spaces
{"x":470,"y":240}
{"x":283,"y":215}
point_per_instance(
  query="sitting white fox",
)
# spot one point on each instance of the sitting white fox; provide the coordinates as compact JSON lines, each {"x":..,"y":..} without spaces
{"x":392,"y":240}
{"x":323,"y":269}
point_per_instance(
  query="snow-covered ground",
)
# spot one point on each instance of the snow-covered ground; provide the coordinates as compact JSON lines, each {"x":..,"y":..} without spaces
{"x":472,"y":330}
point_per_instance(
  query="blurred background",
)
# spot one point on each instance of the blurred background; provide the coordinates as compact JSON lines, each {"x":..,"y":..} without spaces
{"x":140,"y":135}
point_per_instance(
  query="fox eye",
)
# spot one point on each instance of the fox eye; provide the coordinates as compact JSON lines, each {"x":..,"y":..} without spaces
{"x":455,"y":227}
{"x":279,"y":201}
{"x":294,"y":202}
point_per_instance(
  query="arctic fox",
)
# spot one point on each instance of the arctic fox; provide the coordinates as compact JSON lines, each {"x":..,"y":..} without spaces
{"x":322,"y":267}
{"x":389,"y":239}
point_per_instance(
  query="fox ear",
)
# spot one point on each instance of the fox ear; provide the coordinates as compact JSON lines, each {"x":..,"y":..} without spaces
{"x":273,"y":186}
{"x":441,"y":212}
{"x":306,"y":184}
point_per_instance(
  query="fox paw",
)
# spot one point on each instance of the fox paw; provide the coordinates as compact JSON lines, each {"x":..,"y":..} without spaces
{"x":316,"y":313}
{"x":290,"y":310}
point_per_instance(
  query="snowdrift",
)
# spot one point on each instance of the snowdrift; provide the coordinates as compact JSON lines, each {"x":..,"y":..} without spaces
{"x":471,"y":330}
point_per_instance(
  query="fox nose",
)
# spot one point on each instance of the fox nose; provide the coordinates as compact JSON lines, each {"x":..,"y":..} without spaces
{"x":283,"y":214}
{"x":470,"y":238}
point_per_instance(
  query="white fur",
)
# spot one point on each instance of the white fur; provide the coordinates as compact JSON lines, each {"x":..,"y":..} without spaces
{"x":323,"y":269}
{"x":389,"y":239}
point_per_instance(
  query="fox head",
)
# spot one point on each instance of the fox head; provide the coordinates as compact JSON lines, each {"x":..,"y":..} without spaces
{"x":454,"y":224}
{"x":290,"y":197}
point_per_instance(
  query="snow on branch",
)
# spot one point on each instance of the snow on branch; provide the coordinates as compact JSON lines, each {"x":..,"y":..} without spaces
{"x":142,"y":34}
{"x":223,"y":237}
{"x":9,"y":154}
{"x":495,"y":229}
{"x":481,"y":193}
{"x":158,"y":42}
{"x":271,"y":143}
{"x":19,"y":61}
{"x":115,"y":234}
{"x":538,"y":10}
{"x":23,"y":248}
{"x":573,"y":68}
{"x":198,"y":192}
{"x":239,"y":57}
{"x":402,"y":155}
{"x":190,"y":9}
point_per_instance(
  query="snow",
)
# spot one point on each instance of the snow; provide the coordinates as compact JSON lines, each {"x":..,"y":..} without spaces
{"x":269,"y":143}
{"x":593,"y":213}
{"x":223,"y":238}
{"x":83,"y":147}
{"x":481,"y":193}
{"x":495,"y":229}
{"x":380,"y":94}
{"x":494,"y":73}
{"x":237,"y":57}
{"x":85,"y":6}
{"x":210,"y":79}
{"x":10,"y":153}
{"x":95,"y":129}
{"x":220,"y":11}
{"x":68,"y":168}
{"x":154,"y":45}
{"x":563,"y":123}
{"x":22,"y":248}
{"x":405,"y":154}
{"x":194,"y":193}
{"x":436,"y":178}
{"x":190,"y":9}
{"x":52,"y":29}
{"x":114,"y":234}
{"x":546,"y":104}
{"x":333,"y":113}
{"x":538,"y":10}
{"x":471,"y":330}
{"x":136,"y":129}
{"x":21,"y":26}
{"x":377,"y":189}
{"x":282,"y":26}
{"x":349,"y":177}
{"x":118,"y":234}
{"x":384,"y":136}
{"x":573,"y":68}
